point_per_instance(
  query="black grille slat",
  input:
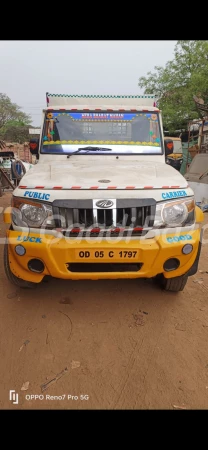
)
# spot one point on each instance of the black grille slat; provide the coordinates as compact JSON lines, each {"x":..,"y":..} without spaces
{"x":128,"y":213}
{"x":62,"y":217}
{"x":100,"y":217}
{"x":109,"y":217}
{"x":134,"y":217}
{"x":66,"y":218}
{"x":85,"y":217}
{"x":75,"y":216}
{"x":69,"y":218}
{"x":122,"y":216}
{"x":147,"y":214}
{"x":139,"y":217}
{"x":143,"y":218}
{"x":89,"y":217}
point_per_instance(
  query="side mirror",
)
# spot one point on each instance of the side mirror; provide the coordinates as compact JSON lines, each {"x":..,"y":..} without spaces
{"x":34,"y":145}
{"x":168,"y":146}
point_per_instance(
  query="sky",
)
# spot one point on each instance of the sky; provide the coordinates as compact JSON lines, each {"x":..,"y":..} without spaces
{"x":29,"y":69}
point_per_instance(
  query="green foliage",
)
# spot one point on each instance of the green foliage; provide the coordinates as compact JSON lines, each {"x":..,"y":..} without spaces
{"x":16,"y":134}
{"x":13,"y":122}
{"x":176,"y":84}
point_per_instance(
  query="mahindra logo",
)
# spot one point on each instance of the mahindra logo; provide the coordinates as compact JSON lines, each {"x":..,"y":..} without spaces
{"x":104,"y":203}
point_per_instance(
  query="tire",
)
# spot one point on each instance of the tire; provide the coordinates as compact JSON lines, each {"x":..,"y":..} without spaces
{"x":14,"y":170}
{"x":175,"y":284}
{"x":11,"y":277}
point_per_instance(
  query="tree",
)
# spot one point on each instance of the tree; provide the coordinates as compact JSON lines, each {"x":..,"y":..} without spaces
{"x":176,"y":84}
{"x":13,"y":122}
{"x":16,"y":133}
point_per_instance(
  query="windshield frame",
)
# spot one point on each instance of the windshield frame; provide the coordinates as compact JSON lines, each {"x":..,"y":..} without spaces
{"x":93,"y":152}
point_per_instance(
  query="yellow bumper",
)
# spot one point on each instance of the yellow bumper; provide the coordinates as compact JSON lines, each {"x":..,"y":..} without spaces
{"x":58,"y":253}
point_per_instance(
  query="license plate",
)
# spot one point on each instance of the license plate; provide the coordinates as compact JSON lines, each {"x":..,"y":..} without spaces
{"x":109,"y":255}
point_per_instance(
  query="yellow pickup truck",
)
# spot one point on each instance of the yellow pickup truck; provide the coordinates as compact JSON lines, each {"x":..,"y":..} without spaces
{"x":101,"y":202}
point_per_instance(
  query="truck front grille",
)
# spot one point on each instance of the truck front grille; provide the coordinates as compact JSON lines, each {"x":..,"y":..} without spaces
{"x":75,"y":217}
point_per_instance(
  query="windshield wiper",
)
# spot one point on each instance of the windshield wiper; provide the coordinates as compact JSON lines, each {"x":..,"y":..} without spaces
{"x":94,"y":149}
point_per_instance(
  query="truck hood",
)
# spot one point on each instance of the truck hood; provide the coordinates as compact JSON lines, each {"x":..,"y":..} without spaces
{"x":121,"y":174}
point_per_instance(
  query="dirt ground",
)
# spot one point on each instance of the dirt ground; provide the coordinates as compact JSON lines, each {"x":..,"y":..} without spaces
{"x":125,"y":343}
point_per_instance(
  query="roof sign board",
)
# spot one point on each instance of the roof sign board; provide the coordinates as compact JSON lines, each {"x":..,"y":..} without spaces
{"x":57,"y":100}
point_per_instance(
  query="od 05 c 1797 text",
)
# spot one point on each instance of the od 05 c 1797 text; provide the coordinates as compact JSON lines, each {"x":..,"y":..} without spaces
{"x":109,"y":254}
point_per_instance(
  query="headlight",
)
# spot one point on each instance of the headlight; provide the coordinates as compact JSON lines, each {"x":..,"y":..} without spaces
{"x":175,"y":213}
{"x":32,"y":214}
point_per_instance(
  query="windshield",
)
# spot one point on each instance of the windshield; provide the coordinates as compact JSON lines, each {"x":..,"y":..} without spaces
{"x":120,"y":133}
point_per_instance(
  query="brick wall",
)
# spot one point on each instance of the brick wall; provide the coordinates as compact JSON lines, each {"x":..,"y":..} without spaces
{"x":21,"y":151}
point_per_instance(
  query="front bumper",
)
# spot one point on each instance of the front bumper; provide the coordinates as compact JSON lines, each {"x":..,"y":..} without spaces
{"x":58,"y":253}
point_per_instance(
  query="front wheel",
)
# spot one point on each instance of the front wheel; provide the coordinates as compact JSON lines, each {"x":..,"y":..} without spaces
{"x":11,"y":277}
{"x":175,"y":284}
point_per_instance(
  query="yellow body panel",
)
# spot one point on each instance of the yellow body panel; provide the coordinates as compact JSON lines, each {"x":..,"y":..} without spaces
{"x":199,"y":215}
{"x":56,"y":253}
{"x":8,"y":215}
